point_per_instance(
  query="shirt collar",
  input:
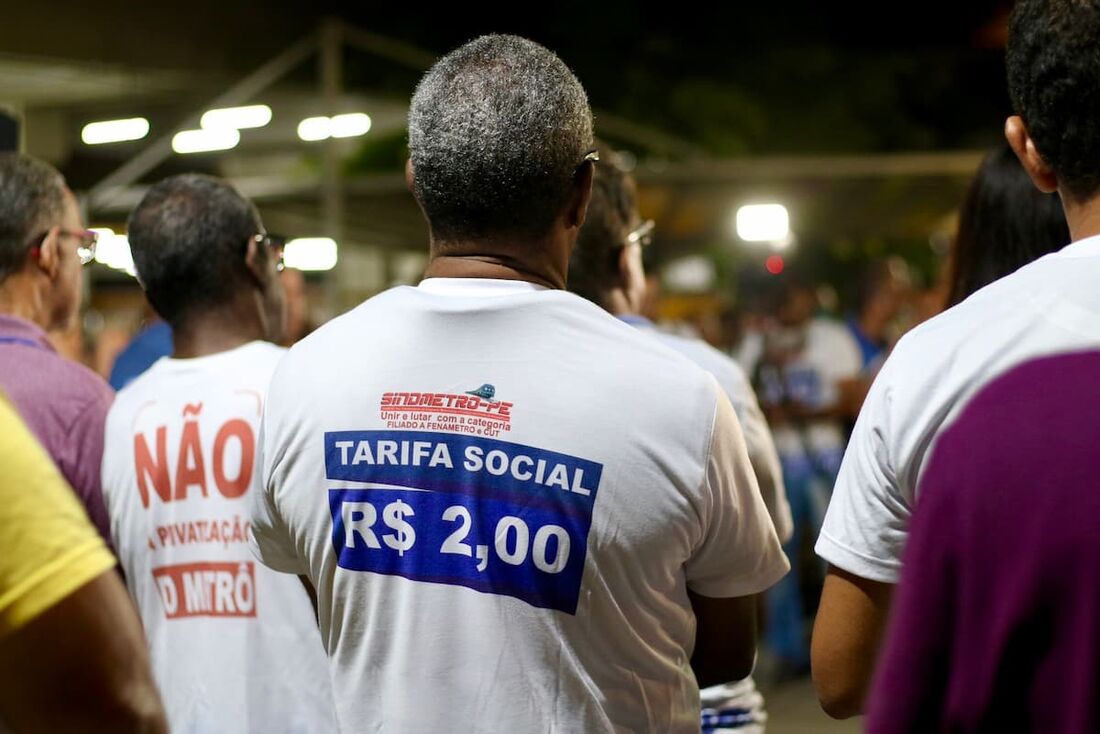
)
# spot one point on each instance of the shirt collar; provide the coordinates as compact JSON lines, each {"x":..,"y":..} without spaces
{"x":1082,"y":248}
{"x":12,"y":327}
{"x":478,"y":287}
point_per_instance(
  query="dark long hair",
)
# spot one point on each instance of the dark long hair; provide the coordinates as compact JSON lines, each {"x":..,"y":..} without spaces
{"x":1005,"y":223}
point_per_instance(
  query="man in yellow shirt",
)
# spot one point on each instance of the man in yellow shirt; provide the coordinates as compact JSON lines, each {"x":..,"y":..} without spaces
{"x":72,"y":653}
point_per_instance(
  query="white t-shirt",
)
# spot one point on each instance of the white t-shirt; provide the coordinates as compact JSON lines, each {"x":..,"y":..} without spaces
{"x":502,"y":495}
{"x":235,"y":646}
{"x":736,"y":706}
{"x":1048,"y":306}
{"x":754,"y":426}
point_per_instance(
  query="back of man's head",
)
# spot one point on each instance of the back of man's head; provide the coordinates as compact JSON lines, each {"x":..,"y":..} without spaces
{"x":594,"y":263}
{"x":189,"y":236}
{"x":497,"y":129}
{"x":32,"y":199}
{"x":1053,"y":63}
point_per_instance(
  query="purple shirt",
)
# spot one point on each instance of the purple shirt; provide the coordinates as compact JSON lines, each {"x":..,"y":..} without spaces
{"x":996,"y":624}
{"x":63,"y":403}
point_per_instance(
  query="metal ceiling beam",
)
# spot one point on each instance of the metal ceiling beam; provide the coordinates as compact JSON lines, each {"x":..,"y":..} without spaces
{"x":241,"y":92}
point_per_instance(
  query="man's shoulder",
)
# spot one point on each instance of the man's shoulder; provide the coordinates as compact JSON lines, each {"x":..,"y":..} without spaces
{"x":725,"y":369}
{"x":75,"y":385}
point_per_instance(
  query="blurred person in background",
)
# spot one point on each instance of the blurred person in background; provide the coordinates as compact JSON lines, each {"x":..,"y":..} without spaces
{"x":1048,"y":306}
{"x":44,"y":247}
{"x":235,"y":646}
{"x":807,"y":364}
{"x":153,"y":341}
{"x":72,"y":653}
{"x":606,"y":268}
{"x":298,"y":323}
{"x":1005,"y":223}
{"x":582,"y":543}
{"x":883,"y":288}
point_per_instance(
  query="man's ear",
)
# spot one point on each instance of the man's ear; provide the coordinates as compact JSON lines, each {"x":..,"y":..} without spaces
{"x":49,"y":253}
{"x":582,"y":194}
{"x":256,"y":261}
{"x":1042,"y":175}
{"x":409,"y":179}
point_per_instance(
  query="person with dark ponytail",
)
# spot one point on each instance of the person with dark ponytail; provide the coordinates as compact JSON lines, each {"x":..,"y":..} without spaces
{"x":1005,"y":223}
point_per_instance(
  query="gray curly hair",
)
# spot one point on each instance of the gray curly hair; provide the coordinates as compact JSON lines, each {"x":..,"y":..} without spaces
{"x":497,"y":129}
{"x":32,"y":198}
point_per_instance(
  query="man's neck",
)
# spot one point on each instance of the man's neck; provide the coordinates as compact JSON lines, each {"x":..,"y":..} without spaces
{"x":1083,"y":218}
{"x":535,"y":262}
{"x":213,"y":333}
{"x":22,"y":300}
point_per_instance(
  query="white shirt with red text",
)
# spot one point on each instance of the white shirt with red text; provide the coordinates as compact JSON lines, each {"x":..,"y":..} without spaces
{"x":235,"y":646}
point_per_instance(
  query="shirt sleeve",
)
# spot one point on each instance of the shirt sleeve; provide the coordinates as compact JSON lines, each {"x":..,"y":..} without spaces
{"x":48,"y":549}
{"x":739,"y":553}
{"x":270,"y":538}
{"x":762,"y":455}
{"x":868,"y":517}
{"x":82,"y":459}
{"x":911,"y":678}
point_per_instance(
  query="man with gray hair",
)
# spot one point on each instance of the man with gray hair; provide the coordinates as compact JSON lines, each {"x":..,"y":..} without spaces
{"x":507,"y":499}
{"x":43,"y":248}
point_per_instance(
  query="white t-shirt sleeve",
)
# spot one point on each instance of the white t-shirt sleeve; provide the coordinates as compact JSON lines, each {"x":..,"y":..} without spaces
{"x":270,"y":539}
{"x":762,"y":454}
{"x":868,"y":517}
{"x":739,"y":552}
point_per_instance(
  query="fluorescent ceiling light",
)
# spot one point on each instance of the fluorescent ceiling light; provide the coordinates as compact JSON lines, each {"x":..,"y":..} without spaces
{"x":205,"y":140}
{"x":350,"y":125}
{"x":113,"y":250}
{"x":315,"y":128}
{"x":310,"y":253}
{"x":237,"y":118}
{"x":114,"y":131}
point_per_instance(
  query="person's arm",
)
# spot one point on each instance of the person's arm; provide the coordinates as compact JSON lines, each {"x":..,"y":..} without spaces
{"x":82,"y":666}
{"x":82,"y":459}
{"x":862,"y":539}
{"x":738,"y":556}
{"x":847,"y":635}
{"x":270,"y":539}
{"x":72,"y":653}
{"x":725,"y":648}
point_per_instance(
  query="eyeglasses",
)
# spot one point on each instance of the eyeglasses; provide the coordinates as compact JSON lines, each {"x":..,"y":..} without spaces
{"x":86,"y":242}
{"x":642,"y":234}
{"x":276,"y":243}
{"x":592,"y":155}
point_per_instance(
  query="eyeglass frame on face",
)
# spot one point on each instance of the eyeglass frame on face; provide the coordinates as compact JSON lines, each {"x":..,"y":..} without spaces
{"x":85,"y":251}
{"x":591,"y":156}
{"x":277,"y":245}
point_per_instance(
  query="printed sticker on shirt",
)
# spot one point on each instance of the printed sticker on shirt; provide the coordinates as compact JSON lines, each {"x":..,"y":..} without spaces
{"x":207,"y":589}
{"x":476,"y":412}
{"x":495,"y":516}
